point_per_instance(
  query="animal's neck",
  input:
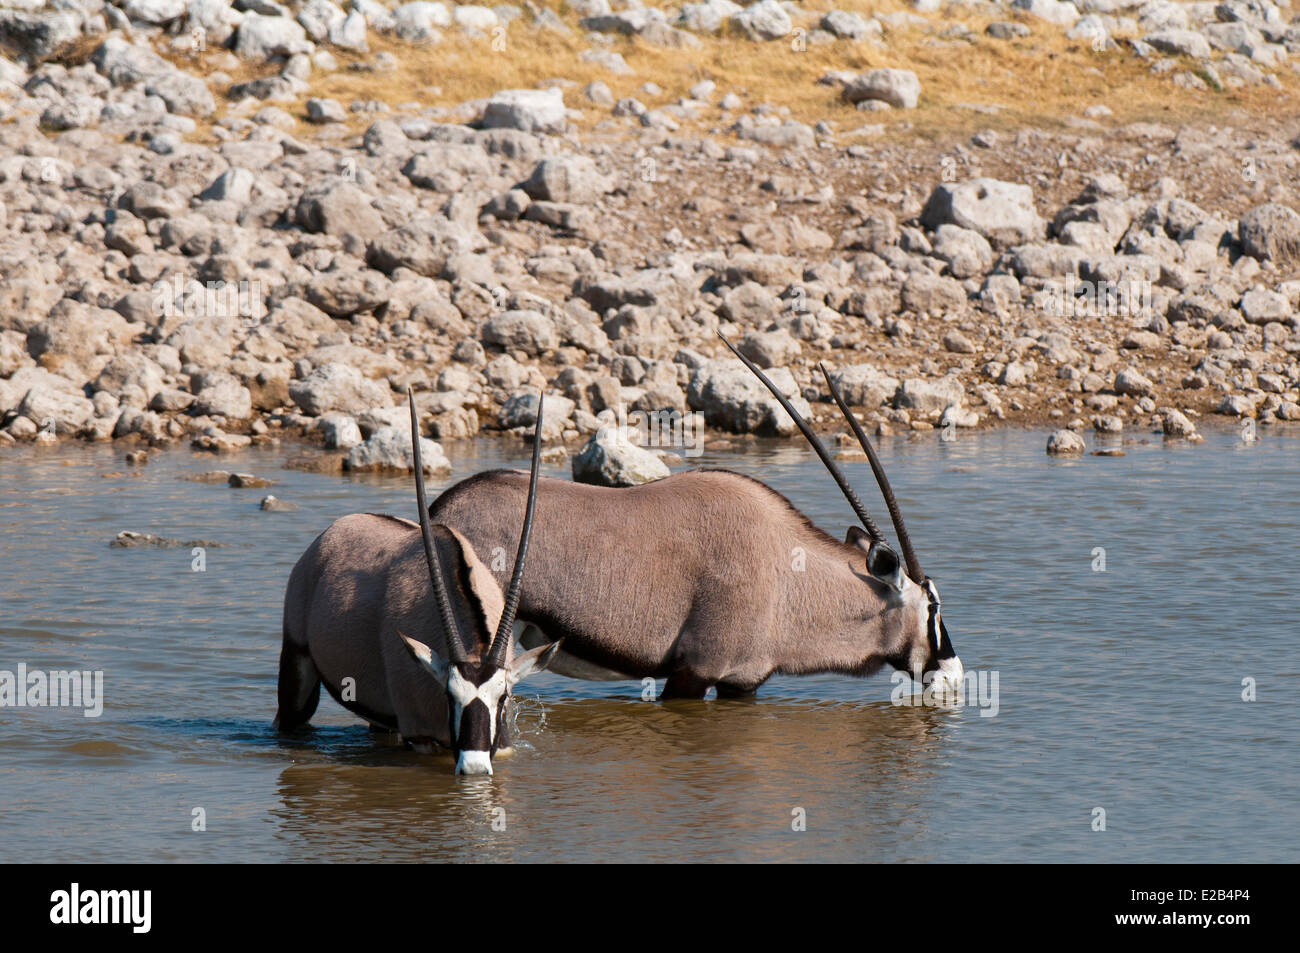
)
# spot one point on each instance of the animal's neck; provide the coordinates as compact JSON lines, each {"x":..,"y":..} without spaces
{"x":824,"y":622}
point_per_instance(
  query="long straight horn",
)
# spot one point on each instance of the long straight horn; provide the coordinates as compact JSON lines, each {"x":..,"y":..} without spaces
{"x":497,"y":653}
{"x":904,"y":541}
{"x":867,"y":522}
{"x":455,"y":648}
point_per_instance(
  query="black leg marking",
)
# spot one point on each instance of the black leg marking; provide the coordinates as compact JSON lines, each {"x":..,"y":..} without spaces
{"x":298,"y":688}
{"x":684,"y":684}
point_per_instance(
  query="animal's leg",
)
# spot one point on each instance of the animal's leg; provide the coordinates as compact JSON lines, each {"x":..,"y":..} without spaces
{"x":419,"y":708}
{"x":683,"y":683}
{"x":700,"y":656}
{"x":298,"y":688}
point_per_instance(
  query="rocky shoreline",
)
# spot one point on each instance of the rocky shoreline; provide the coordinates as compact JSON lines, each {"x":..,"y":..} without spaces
{"x":194,"y":258}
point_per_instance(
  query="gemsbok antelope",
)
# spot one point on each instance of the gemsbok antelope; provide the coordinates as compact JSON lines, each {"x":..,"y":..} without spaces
{"x":711,"y":578}
{"x":363,"y":591}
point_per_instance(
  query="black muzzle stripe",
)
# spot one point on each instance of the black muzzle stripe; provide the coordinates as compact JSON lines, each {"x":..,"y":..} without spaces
{"x":475,"y":727}
{"x":937,"y":631}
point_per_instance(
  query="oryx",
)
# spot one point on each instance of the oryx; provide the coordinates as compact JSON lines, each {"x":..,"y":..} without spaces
{"x":367,"y":591}
{"x":710,"y":578}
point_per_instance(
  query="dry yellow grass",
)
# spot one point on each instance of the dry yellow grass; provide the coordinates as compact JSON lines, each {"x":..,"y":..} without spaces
{"x":1041,"y":79}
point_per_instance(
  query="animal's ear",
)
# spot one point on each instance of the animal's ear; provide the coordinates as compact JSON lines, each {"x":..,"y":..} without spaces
{"x":534,"y":660}
{"x":857,"y":536}
{"x":483,"y":586}
{"x":883,"y":564}
{"x":430,"y":659}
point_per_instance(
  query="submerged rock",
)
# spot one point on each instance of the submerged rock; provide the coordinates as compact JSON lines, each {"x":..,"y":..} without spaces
{"x":1177,"y":424}
{"x":1065,"y":443}
{"x":128,"y":539}
{"x":273,"y":505}
{"x":209,"y":476}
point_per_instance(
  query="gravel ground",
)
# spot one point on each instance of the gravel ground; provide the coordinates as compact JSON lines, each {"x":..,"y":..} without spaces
{"x":191,"y":257}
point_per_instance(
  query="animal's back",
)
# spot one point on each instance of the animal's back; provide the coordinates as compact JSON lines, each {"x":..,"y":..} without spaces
{"x":631,"y":567}
{"x":343,"y":573}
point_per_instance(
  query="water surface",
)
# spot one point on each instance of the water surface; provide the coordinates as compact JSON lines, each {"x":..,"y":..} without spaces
{"x":1119,"y":690}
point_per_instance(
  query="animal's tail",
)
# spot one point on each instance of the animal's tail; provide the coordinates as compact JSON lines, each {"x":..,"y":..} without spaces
{"x":298,"y":688}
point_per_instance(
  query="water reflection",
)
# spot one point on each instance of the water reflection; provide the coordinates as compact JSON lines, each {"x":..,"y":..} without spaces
{"x":633,"y":781}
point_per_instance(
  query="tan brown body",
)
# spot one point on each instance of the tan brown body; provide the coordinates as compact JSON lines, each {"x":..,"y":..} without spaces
{"x":361,"y":583}
{"x":706,"y":578}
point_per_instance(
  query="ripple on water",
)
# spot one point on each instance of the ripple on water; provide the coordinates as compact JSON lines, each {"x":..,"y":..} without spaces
{"x":103,"y":749}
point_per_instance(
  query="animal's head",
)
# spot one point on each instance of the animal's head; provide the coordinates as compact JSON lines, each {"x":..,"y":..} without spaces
{"x":917,"y":637}
{"x":478,"y":686}
{"x":918,"y":640}
{"x":477,"y":695}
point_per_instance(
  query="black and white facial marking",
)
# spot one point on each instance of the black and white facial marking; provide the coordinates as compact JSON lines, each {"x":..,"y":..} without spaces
{"x":477,"y":704}
{"x":934,"y":623}
{"x":477,"y":696}
{"x":944,"y":661}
